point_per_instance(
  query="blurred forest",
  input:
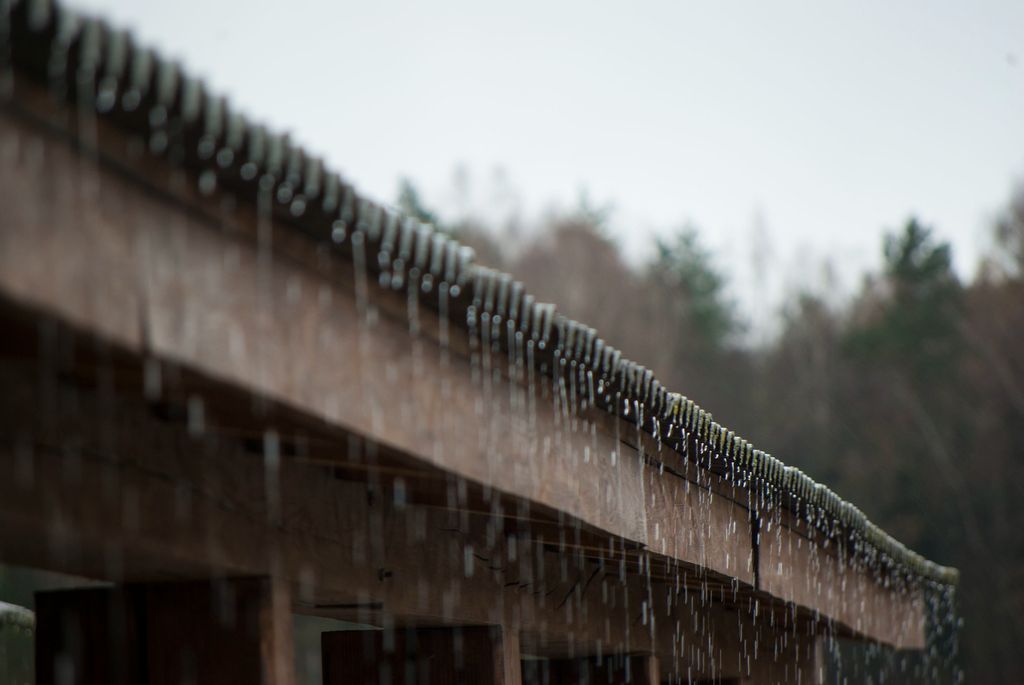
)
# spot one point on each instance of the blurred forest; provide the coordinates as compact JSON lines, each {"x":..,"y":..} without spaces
{"x":906,"y":398}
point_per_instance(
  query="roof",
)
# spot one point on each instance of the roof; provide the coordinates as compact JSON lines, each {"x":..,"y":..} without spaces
{"x":16,"y":617}
{"x":87,"y":64}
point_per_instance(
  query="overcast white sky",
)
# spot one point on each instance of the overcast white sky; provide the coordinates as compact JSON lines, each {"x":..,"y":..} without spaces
{"x":823,"y":122}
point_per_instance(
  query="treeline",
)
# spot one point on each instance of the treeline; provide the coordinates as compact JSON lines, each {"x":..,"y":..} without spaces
{"x":907,"y":398}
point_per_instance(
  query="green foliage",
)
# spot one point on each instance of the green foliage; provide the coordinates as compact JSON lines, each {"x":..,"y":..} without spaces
{"x":411,"y":202}
{"x":597,"y":216}
{"x":914,"y":325}
{"x":699,"y":289}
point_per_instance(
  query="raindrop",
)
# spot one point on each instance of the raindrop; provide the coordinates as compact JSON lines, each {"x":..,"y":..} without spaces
{"x":338,"y":232}
{"x":196,"y":416}
{"x":248,"y":171}
{"x":225,"y":157}
{"x":207,"y":182}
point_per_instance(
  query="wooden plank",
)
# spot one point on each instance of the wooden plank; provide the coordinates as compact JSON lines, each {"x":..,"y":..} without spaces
{"x":416,"y":655}
{"x":800,"y":661}
{"x":795,"y":568}
{"x":611,"y":669}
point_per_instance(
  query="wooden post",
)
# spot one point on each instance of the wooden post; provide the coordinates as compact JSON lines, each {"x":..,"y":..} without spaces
{"x":618,"y":669}
{"x":417,"y":655}
{"x":164,"y":633}
{"x":511,"y":657}
{"x":649,"y":668}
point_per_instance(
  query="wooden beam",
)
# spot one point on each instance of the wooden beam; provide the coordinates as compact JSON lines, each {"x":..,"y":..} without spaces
{"x":197,"y":282}
{"x":208,"y":512}
{"x":610,"y":669}
{"x":287,"y":324}
{"x":417,"y":655}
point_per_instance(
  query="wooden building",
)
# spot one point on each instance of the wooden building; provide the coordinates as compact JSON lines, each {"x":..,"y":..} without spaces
{"x":236,"y":391}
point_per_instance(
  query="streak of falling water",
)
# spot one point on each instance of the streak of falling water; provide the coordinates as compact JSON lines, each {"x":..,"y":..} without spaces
{"x":517,"y":390}
{"x":360,"y":277}
{"x":265,"y":275}
{"x":272,"y":476}
{"x":415,"y":282}
{"x":6,"y":68}
{"x":531,"y":396}
{"x":367,"y":316}
{"x":444,"y":362}
{"x":560,"y":409}
{"x":475,"y":372}
{"x":486,"y":426}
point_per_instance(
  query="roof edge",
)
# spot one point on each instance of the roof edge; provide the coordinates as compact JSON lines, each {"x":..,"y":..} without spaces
{"x":87,"y":64}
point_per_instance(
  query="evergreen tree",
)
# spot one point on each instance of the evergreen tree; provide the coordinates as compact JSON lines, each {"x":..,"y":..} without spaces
{"x":410,"y":202}
{"x":914,"y":325}
{"x":687,"y":268}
